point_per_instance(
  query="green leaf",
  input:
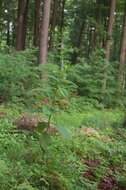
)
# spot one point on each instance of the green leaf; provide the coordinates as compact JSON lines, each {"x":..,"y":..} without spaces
{"x":25,"y":186}
{"x":64,"y":132}
{"x":63,"y":92}
{"x":46,"y":110}
{"x":41,"y":126}
{"x":45,"y":140}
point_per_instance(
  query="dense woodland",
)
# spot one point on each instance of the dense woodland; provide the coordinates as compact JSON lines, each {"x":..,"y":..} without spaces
{"x":90,"y":36}
{"x":62,"y":94}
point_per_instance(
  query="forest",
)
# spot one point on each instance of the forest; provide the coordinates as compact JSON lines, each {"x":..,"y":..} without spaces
{"x":62,"y":95}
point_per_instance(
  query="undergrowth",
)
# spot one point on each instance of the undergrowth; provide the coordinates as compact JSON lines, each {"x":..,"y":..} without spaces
{"x":94,"y":152}
{"x":88,"y":150}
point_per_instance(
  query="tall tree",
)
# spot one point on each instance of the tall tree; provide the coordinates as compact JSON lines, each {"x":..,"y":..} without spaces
{"x":122,"y":57}
{"x":44,"y":32}
{"x":21,"y":24}
{"x":108,"y":41}
{"x":61,"y":31}
{"x":54,"y":18}
{"x":36,"y":22}
{"x":78,"y":41}
{"x":110,"y":29}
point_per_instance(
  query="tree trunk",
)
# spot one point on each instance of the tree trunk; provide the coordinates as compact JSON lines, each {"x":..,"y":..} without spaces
{"x":61,"y":32}
{"x":8,"y":33}
{"x":44,"y":32}
{"x":122,"y":58}
{"x":108,"y":42}
{"x":98,"y":17}
{"x":110,"y":28}
{"x":53,"y":21}
{"x":21,"y":24}
{"x":77,"y":42}
{"x":36,"y":23}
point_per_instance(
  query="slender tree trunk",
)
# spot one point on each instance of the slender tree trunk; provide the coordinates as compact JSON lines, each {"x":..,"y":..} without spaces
{"x":108,"y":42}
{"x":13,"y":34}
{"x":21,"y":24}
{"x":44,"y":32}
{"x":8,"y":26}
{"x":98,"y":16}
{"x":78,"y":42}
{"x":25,"y":23}
{"x":53,"y":21}
{"x":62,"y":19}
{"x":61,"y":32}
{"x":1,"y":3}
{"x":122,"y":58}
{"x":36,"y":23}
{"x":1,"y":9}
{"x":8,"y":33}
{"x":110,"y":29}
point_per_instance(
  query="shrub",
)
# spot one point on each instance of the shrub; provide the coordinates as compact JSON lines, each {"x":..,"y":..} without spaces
{"x":16,"y":76}
{"x":89,"y":77}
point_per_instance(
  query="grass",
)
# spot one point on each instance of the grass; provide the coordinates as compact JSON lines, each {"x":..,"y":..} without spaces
{"x":92,"y":118}
{"x":92,"y":158}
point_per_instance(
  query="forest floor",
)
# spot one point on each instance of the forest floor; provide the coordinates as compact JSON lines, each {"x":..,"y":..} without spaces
{"x":91,"y":157}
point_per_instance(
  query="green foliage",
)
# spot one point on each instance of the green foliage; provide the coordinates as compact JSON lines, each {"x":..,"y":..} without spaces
{"x":89,"y":78}
{"x":54,"y":90}
{"x":69,"y":95}
{"x":24,"y":165}
{"x":17,"y":75}
{"x":22,"y":81}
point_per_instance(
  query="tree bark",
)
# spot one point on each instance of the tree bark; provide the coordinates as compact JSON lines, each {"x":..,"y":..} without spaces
{"x":44,"y":32}
{"x":122,"y":57}
{"x":110,"y":28}
{"x":8,"y":33}
{"x":98,"y":18}
{"x":53,"y":21}
{"x":108,"y":42}
{"x":21,"y":24}
{"x":36,"y":23}
{"x":61,"y":33}
{"x":77,"y":42}
{"x":62,"y":20}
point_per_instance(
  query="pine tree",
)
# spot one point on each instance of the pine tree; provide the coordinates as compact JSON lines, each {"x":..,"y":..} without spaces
{"x":21,"y":24}
{"x":44,"y":32}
